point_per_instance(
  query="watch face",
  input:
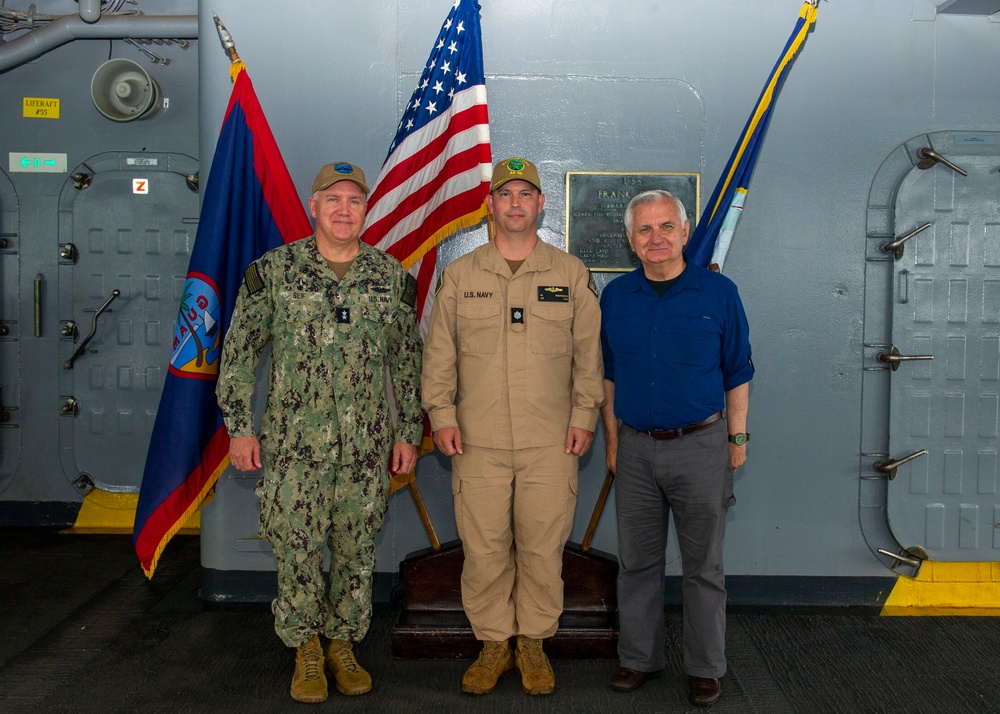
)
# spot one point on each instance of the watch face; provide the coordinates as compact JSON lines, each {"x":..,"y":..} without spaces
{"x":738,"y":439}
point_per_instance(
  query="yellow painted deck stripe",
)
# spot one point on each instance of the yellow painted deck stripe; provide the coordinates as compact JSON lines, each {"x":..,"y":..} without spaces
{"x":106,"y":512}
{"x":947,"y":589}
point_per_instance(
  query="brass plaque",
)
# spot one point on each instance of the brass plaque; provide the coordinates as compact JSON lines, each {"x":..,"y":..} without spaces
{"x":595,"y":212}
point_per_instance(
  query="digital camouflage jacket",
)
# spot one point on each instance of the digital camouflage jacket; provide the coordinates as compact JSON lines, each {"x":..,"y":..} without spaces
{"x":330,"y":344}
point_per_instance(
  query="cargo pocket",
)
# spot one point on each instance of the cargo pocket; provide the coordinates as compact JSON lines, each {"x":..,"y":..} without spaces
{"x":267,"y":493}
{"x":456,"y":494}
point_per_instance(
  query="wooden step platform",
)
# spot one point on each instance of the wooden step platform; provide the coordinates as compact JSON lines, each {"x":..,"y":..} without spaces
{"x":432,"y":623}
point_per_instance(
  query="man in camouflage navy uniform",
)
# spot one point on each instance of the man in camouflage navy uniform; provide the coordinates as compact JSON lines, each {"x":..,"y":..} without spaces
{"x":336,"y":312}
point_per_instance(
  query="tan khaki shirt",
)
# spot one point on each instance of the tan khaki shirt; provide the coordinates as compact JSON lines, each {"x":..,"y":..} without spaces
{"x":514,"y":361}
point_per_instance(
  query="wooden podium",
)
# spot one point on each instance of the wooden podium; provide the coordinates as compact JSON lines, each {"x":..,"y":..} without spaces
{"x":432,"y":624}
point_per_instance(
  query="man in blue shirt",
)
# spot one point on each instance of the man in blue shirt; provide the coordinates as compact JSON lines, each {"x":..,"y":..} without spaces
{"x":677,"y":369}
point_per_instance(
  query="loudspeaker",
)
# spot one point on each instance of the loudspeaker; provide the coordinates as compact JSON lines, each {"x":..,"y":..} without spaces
{"x":123,"y":91}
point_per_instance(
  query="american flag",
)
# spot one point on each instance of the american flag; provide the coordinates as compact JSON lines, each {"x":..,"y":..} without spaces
{"x":437,"y":173}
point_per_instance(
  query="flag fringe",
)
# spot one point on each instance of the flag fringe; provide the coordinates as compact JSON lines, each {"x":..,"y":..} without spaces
{"x":467,"y":221}
{"x":235,"y":68}
{"x":178,"y":523}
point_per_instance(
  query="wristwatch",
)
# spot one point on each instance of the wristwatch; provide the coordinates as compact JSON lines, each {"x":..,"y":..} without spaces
{"x":739,"y":439}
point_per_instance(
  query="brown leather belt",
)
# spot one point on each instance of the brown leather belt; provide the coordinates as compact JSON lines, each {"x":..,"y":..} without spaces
{"x":665,"y":434}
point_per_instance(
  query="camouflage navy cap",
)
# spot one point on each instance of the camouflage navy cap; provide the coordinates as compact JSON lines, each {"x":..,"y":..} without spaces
{"x":515,"y":169}
{"x":339,"y":171}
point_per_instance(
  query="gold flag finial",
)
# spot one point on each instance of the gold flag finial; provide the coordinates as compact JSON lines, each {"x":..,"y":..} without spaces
{"x":229,"y":46}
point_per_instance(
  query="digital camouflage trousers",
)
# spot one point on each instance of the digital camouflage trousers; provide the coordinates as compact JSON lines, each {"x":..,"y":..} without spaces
{"x":305,"y":506}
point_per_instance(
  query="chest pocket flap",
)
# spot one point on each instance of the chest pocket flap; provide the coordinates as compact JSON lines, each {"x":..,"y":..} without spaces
{"x":479,"y":326}
{"x":551,"y":328}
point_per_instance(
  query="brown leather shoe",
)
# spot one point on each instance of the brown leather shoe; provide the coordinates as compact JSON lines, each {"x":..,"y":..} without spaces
{"x":704,"y":691}
{"x":626,"y":680}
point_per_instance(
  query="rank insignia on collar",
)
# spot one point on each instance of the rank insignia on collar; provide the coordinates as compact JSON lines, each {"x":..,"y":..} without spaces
{"x":516,"y":316}
{"x":343,"y":315}
{"x":553,"y":293}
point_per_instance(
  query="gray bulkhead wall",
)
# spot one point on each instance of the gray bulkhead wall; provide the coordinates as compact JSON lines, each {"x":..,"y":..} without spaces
{"x":598,"y":85}
{"x":333,"y":78}
{"x":39,"y":465}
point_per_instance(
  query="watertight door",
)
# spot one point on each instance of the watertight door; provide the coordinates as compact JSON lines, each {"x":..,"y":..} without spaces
{"x":946,"y":303}
{"x":11,"y":331}
{"x":130,"y":232}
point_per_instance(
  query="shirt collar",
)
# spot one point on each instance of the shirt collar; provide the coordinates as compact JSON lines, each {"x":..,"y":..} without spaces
{"x":361,"y":265}
{"x":689,"y":279}
{"x":538,"y":260}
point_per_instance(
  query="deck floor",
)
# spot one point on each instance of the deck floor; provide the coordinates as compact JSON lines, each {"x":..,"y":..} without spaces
{"x":82,"y":630}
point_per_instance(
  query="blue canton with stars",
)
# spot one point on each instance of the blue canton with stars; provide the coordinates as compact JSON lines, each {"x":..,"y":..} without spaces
{"x":455,"y":64}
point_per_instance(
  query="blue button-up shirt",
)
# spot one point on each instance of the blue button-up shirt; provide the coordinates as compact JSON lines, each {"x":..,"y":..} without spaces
{"x":673,"y":357}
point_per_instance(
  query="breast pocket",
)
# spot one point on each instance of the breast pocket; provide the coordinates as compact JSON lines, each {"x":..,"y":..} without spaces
{"x":301,"y":318}
{"x":551,"y":329}
{"x":627,"y":333}
{"x":696,"y":339}
{"x":479,"y":326}
{"x":375,"y":322}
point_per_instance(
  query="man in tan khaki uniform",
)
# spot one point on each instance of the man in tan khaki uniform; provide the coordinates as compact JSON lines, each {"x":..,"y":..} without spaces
{"x":513,"y":384}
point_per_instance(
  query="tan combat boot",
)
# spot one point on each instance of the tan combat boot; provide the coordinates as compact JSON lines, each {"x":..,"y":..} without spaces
{"x":350,"y":676}
{"x":537,"y":676}
{"x":308,"y":681}
{"x":494,"y":661}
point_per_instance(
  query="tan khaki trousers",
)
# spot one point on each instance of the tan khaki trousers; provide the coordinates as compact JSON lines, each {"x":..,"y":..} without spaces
{"x":514,"y":511}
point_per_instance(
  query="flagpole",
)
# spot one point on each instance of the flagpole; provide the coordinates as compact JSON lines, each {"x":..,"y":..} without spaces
{"x":229,"y":45}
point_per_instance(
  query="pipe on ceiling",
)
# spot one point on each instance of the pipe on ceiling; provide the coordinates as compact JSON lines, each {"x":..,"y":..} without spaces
{"x":67,"y":28}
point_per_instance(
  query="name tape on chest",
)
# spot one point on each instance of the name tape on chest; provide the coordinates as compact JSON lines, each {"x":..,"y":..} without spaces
{"x":553,"y":293}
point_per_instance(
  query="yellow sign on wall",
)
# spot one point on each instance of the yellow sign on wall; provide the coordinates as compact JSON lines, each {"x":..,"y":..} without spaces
{"x":41,"y":108}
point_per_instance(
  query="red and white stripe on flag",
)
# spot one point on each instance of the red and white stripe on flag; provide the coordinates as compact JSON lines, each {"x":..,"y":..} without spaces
{"x":436,"y":176}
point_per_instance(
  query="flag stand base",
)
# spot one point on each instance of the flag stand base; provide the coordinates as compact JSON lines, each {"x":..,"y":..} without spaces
{"x":432,"y":624}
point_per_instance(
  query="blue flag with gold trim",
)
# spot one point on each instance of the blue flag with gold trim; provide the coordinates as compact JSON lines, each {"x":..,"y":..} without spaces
{"x":712,"y":236}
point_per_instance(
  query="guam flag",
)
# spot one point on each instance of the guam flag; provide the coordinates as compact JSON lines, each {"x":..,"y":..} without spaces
{"x":250,"y":206}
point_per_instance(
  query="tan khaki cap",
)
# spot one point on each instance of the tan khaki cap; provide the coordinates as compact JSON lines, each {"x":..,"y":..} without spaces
{"x":515,"y":169}
{"x":340,"y":171}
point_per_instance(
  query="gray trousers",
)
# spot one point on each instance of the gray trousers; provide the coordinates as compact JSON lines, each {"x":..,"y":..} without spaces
{"x":691,"y":477}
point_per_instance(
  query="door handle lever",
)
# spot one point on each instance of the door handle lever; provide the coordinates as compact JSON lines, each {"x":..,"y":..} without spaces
{"x":896,"y":246}
{"x":889,"y":467}
{"x":68,"y":364}
{"x":893,"y":358}
{"x":929,"y":157}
